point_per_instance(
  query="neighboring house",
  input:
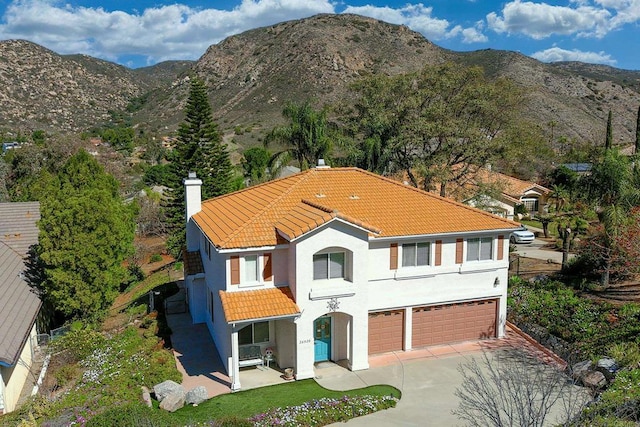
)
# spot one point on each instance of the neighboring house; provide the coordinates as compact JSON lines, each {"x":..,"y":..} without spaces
{"x":19,"y":304}
{"x":579,"y":168}
{"x":338,"y":264}
{"x":509,"y":192}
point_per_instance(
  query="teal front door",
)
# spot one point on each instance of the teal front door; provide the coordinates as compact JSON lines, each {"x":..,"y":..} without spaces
{"x":322,"y":338}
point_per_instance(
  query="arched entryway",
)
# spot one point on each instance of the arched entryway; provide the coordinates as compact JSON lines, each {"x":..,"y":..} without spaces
{"x":332,"y":337}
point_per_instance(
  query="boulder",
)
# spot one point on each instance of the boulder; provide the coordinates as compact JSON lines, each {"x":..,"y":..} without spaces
{"x":195,"y":396}
{"x":173,"y":401}
{"x":580,"y":369}
{"x":165,"y":388}
{"x":594,"y":379}
{"x":146,"y":396}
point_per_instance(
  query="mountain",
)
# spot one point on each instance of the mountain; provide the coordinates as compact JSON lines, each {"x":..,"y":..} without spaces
{"x":252,"y":75}
{"x":44,"y":90}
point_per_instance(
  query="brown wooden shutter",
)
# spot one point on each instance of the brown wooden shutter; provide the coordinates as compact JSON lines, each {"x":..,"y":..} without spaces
{"x":267,"y":272}
{"x":459,"y":246}
{"x":393,"y":256}
{"x":500,"y":247}
{"x":235,"y":270}
{"x":438,"y":260}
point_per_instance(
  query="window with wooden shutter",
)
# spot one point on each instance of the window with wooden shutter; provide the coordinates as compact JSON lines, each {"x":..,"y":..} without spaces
{"x":438,"y":254}
{"x":267,"y":272}
{"x":393,"y":257}
{"x":235,"y":270}
{"x":500,"y":247}
{"x":459,"y":247}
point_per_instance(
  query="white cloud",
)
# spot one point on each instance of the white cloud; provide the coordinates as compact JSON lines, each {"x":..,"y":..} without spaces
{"x":556,"y":54}
{"x":474,"y":34}
{"x":541,"y":20}
{"x":419,"y":18}
{"x":165,"y":32}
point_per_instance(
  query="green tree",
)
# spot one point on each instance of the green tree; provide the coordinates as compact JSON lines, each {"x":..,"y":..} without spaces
{"x":305,"y":139}
{"x":613,"y":188}
{"x":637,"y":144}
{"x":121,"y":138}
{"x":86,"y":232}
{"x":199,"y":149}
{"x":609,"y":138}
{"x":255,"y":163}
{"x":434,"y":124}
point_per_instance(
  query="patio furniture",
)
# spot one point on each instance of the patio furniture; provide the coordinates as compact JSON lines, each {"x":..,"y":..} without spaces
{"x":250,"y":355}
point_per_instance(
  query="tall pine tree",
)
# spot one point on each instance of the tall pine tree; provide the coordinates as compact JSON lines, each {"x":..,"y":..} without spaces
{"x":199,"y":149}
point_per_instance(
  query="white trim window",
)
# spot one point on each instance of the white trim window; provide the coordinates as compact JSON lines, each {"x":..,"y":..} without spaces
{"x":255,"y":333}
{"x":329,"y":266}
{"x":416,"y":254}
{"x":480,"y":249}
{"x":251,"y":268}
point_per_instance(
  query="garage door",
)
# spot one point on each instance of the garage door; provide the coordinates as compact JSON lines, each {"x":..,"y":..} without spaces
{"x":386,"y":331}
{"x":439,"y":324}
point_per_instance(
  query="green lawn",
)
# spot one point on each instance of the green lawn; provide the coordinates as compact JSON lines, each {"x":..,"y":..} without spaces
{"x":244,"y":404}
{"x":234,"y":408}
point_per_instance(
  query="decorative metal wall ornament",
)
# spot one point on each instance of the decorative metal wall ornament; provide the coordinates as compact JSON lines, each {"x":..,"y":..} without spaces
{"x":333,"y":304}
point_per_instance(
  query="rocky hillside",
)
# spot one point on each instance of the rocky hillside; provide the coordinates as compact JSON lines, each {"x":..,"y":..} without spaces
{"x":251,"y":75}
{"x":43,"y":90}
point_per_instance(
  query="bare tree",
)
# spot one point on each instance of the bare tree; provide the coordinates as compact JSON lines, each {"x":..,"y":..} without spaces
{"x":512,"y":388}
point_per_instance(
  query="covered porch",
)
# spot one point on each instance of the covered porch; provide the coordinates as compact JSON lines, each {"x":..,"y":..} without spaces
{"x":261,"y":325}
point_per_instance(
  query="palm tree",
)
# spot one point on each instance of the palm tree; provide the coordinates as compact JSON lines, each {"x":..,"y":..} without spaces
{"x":304,"y":139}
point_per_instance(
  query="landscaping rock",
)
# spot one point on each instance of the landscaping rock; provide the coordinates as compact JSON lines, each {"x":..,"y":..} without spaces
{"x":146,"y":396}
{"x":173,"y":401}
{"x":197,"y":395}
{"x":165,"y":388}
{"x":608,"y":367}
{"x":580,"y":368}
{"x":594,"y":379}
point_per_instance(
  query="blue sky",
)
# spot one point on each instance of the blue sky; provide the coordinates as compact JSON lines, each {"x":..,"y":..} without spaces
{"x":137,"y":33}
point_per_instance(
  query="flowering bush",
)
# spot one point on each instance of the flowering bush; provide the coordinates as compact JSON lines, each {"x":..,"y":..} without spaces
{"x":324,"y":411}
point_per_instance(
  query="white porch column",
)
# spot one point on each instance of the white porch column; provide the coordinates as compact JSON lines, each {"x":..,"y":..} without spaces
{"x":304,"y":350}
{"x":235,"y":362}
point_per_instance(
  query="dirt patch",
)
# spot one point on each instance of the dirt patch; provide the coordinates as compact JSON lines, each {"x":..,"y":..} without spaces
{"x":530,"y":267}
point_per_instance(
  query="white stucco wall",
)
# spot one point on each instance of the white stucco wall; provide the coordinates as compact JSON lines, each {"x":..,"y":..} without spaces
{"x":313,"y":296}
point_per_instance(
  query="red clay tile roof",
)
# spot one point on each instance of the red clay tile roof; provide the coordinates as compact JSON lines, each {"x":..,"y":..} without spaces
{"x":258,"y":304}
{"x":301,"y":202}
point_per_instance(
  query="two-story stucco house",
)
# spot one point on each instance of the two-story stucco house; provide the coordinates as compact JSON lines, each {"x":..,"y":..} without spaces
{"x":338,"y":264}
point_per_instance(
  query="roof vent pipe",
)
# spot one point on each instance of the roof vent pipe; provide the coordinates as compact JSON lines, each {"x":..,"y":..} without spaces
{"x":322,"y":164}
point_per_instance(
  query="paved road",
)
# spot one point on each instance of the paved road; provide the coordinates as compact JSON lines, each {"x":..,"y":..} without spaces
{"x":535,"y":250}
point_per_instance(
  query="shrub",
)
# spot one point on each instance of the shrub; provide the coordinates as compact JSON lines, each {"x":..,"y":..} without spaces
{"x":155,"y":258}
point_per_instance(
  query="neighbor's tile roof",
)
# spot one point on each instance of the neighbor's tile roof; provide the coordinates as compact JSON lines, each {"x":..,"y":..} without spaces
{"x":18,"y":225}
{"x":301,"y":202}
{"x":19,"y":305}
{"x":258,"y":304}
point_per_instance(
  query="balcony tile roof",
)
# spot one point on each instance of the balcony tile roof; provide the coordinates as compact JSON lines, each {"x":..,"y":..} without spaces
{"x":258,"y":304}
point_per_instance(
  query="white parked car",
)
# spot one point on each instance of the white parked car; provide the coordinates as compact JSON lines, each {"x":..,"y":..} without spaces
{"x":522,"y":235}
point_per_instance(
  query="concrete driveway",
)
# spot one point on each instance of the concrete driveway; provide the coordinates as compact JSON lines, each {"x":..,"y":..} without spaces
{"x":427,"y":378}
{"x":537,"y":250}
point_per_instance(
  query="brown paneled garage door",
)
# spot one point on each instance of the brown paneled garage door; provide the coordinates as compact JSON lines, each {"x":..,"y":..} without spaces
{"x":386,"y":331}
{"x":439,"y":324}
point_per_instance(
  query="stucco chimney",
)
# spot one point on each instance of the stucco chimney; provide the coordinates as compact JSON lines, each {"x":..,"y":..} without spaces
{"x":193,"y":205}
{"x":192,"y":195}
